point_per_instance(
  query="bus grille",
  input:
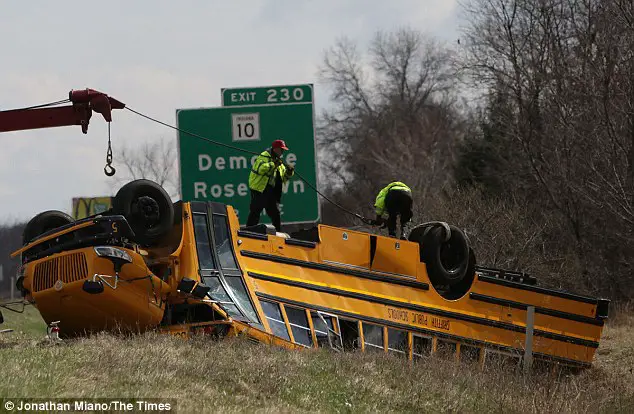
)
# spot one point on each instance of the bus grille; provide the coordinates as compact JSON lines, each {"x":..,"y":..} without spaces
{"x":69,"y":268}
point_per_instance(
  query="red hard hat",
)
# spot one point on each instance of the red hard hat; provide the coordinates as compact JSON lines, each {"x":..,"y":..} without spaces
{"x":278,"y":143}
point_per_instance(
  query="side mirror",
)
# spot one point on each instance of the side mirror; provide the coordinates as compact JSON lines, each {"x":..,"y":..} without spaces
{"x":186,"y":285}
{"x":200,"y":291}
{"x":1,"y":317}
{"x":93,"y":287}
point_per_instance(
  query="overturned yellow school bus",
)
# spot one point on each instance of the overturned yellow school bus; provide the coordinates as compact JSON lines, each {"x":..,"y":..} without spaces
{"x":188,"y":267}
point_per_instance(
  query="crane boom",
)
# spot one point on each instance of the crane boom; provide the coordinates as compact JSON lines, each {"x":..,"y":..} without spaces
{"x":83,"y":101}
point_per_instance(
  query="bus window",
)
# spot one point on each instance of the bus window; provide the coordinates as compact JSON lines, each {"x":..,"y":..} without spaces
{"x":325,"y":331}
{"x":349,"y":334}
{"x":275,"y":319}
{"x":373,"y":337}
{"x":226,"y":287}
{"x":223,"y":243}
{"x":397,"y":341}
{"x":499,"y":359}
{"x":469,"y":353}
{"x":239,"y":290}
{"x":422,"y":345}
{"x":446,"y":349}
{"x":299,"y":325}
{"x":203,"y":245}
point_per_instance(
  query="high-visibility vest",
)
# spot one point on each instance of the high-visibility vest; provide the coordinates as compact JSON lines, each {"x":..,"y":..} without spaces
{"x":263,"y":172}
{"x":379,"y":204}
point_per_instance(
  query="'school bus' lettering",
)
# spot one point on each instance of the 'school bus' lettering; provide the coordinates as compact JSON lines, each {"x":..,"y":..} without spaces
{"x":440,"y":323}
{"x":397,"y":314}
{"x":417,"y":318}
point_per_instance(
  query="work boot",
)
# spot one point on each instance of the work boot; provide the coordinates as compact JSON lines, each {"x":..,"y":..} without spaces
{"x":404,"y":232}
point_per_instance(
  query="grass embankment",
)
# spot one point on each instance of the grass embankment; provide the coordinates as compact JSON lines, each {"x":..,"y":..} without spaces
{"x":239,"y":376}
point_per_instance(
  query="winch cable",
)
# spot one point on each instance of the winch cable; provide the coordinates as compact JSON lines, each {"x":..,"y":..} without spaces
{"x":6,"y":305}
{"x":63,"y":101}
{"x":360,"y":217}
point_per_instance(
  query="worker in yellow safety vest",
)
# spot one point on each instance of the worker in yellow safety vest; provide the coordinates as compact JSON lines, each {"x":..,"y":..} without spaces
{"x":393,"y":200}
{"x":265,"y":182}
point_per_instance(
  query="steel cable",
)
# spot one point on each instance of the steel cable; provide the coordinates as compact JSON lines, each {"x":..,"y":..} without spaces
{"x":363,"y":219}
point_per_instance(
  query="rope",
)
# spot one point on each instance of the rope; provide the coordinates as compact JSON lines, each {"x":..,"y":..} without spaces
{"x":363,"y":219}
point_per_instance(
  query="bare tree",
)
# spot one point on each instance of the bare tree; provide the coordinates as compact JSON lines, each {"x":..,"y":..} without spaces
{"x":395,"y":116}
{"x":155,"y":160}
{"x":568,"y":67}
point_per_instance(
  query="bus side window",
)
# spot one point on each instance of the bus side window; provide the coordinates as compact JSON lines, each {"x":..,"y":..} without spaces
{"x":373,"y":337}
{"x":469,"y":353}
{"x":446,"y":349}
{"x":350,"y":338}
{"x":325,"y":331}
{"x":275,"y":319}
{"x":299,"y":325}
{"x":422,"y":346}
{"x":397,"y":341}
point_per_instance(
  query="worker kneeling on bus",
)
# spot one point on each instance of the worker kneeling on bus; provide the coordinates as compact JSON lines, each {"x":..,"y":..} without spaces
{"x":394,"y":200}
{"x":265,"y":181}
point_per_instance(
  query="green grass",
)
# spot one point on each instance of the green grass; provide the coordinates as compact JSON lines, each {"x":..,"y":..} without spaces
{"x":237,"y":376}
{"x":27,"y":324}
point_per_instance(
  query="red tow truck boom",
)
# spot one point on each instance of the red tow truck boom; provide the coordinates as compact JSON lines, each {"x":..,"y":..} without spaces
{"x":83,"y":101}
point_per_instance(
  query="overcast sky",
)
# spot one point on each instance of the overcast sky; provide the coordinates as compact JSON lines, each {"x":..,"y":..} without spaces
{"x":157,"y":56}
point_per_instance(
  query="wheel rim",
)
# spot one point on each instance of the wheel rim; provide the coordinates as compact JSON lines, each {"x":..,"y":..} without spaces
{"x":146,"y":210}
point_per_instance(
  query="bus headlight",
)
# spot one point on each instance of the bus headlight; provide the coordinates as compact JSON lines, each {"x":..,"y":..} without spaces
{"x":113,"y":253}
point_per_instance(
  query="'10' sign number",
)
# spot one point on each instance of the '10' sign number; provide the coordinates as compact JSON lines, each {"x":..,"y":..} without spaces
{"x":245,"y":127}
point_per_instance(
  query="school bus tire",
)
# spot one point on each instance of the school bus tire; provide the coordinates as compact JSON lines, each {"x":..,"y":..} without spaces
{"x":447,"y":262}
{"x":157,"y":217}
{"x":44,"y":222}
{"x":460,"y":289}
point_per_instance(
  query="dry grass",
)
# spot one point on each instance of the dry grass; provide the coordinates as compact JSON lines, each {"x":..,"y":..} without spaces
{"x":238,"y":376}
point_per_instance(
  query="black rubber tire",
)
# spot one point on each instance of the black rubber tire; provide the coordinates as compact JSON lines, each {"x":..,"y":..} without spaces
{"x":459,"y":290}
{"x":447,"y":262}
{"x":157,"y":217}
{"x":43,"y":222}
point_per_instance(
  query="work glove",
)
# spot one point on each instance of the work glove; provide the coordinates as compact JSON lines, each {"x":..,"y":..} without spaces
{"x":289,"y":170}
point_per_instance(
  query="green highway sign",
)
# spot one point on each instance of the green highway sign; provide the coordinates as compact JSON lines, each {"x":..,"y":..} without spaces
{"x":271,"y":95}
{"x":217,"y":173}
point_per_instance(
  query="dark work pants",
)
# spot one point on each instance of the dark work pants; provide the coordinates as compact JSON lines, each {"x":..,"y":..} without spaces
{"x":398,"y":203}
{"x":265,"y":200}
